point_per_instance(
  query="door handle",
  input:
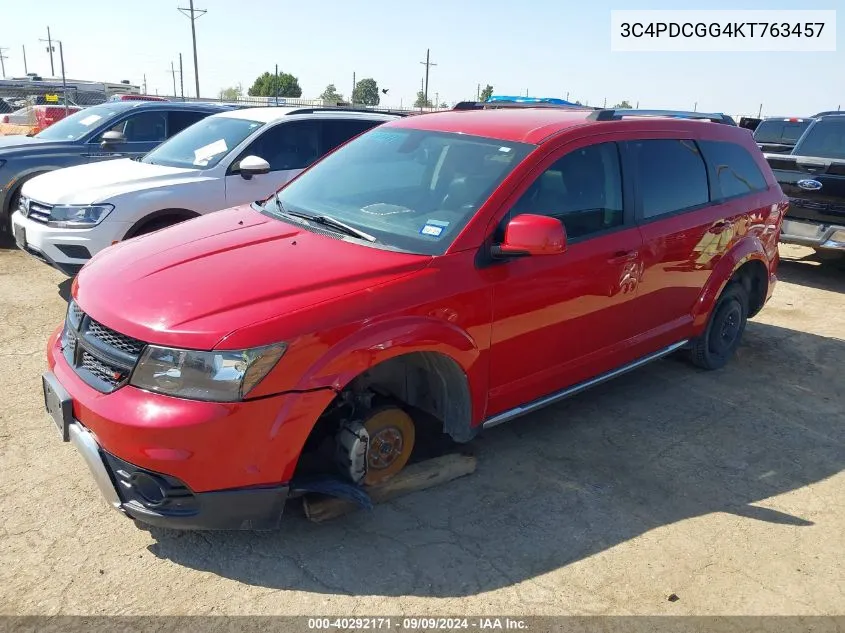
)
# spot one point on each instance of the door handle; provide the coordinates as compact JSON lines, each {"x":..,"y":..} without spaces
{"x":620,"y":257}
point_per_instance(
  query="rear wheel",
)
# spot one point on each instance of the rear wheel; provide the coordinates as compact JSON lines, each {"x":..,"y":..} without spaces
{"x":724,"y":329}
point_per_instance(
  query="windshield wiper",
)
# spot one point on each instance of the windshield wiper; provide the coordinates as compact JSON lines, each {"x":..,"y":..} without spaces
{"x":327,"y":220}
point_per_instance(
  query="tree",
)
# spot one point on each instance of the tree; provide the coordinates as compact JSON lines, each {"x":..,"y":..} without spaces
{"x":331,"y":94}
{"x":623,"y":105}
{"x":232,"y":93}
{"x":266,"y":85}
{"x":421,"y":101}
{"x":578,"y":103}
{"x":366,"y":92}
{"x":444,"y":106}
{"x":486,"y":93}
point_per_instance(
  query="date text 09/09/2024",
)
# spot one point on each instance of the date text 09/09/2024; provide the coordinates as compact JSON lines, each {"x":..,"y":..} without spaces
{"x":421,"y":623}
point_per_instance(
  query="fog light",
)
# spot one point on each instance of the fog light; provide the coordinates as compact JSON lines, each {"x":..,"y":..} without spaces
{"x":150,"y":489}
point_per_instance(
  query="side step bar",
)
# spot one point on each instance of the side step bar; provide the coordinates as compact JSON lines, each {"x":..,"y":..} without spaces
{"x":507,"y":416}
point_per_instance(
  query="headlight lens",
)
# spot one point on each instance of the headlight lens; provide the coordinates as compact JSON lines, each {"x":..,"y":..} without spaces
{"x":224,"y":376}
{"x":78,"y":217}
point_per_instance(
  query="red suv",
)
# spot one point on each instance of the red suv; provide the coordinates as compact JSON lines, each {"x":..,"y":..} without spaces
{"x":459,"y":268}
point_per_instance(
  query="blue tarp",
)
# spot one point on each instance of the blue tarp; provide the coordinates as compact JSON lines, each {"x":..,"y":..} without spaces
{"x":550,"y":100}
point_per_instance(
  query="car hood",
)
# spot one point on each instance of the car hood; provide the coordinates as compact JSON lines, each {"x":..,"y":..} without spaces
{"x":192,"y":284}
{"x":18,"y":144}
{"x":98,"y":182}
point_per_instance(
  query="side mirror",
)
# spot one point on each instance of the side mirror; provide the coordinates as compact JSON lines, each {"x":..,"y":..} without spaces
{"x":112,"y":137}
{"x":253,"y":166}
{"x":529,"y":234}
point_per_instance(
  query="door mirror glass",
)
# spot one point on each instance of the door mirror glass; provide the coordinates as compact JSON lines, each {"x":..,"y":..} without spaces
{"x":253,"y":166}
{"x":112,"y":137}
{"x":529,"y":234}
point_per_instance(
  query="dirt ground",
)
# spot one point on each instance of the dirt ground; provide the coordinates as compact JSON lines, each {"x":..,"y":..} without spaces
{"x":726,"y":489}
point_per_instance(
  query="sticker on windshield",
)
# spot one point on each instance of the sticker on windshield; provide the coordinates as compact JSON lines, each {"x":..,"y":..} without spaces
{"x":91,"y":119}
{"x":207,"y":152}
{"x":433,"y":228}
{"x":504,"y":149}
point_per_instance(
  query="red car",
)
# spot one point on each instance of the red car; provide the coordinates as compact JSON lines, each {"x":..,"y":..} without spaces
{"x":458,"y":269}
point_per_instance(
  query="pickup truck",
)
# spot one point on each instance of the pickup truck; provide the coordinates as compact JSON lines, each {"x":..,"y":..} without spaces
{"x":813,"y":177}
{"x":778,"y":135}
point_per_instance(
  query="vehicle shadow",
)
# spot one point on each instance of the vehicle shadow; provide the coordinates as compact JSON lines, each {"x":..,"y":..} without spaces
{"x":657,"y":446}
{"x":64,"y":288}
{"x":811,"y":270}
{"x":7,"y":242}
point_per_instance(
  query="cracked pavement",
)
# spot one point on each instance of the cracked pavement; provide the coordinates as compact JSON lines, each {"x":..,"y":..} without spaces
{"x":726,"y":489}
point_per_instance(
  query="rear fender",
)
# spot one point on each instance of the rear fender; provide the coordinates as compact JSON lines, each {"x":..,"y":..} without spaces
{"x":747,"y":249}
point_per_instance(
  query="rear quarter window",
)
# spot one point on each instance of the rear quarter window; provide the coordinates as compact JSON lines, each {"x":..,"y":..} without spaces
{"x":735,"y":172}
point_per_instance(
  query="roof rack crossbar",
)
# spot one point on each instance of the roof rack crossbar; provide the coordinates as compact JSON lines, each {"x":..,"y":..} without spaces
{"x":617,"y":114}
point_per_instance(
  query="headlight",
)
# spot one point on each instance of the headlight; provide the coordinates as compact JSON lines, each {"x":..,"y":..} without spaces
{"x":224,"y":376}
{"x":78,"y":217}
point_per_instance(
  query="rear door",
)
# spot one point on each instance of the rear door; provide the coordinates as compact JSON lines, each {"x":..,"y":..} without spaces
{"x":178,"y":120}
{"x":689,"y":219}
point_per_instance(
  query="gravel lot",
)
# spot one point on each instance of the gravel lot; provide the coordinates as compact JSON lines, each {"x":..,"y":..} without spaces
{"x":726,"y":489}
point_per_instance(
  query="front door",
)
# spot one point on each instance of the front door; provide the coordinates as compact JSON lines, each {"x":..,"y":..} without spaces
{"x":143,"y":131}
{"x":561,"y":319}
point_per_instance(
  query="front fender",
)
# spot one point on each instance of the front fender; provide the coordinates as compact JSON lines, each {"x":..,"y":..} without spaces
{"x":747,"y":249}
{"x":378,"y":342}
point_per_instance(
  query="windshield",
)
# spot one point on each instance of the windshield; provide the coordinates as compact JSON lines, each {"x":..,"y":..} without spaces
{"x":787,"y":132}
{"x":412,"y":190}
{"x":826,"y":139}
{"x":204,"y":144}
{"x":75,"y":126}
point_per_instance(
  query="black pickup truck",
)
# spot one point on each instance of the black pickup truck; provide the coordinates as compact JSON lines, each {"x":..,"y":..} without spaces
{"x":813,"y":177}
{"x":778,"y":135}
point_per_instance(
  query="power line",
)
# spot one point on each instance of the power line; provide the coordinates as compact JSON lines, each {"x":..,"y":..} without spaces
{"x":427,"y":63}
{"x":190,"y":12}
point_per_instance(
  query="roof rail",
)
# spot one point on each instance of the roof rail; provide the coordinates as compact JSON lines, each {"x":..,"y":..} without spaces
{"x":616,"y":114}
{"x":313,"y":109}
{"x":496,"y":105}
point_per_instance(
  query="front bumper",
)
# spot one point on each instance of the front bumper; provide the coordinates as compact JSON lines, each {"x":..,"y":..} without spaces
{"x":65,"y":249}
{"x":208,"y":465}
{"x":126,"y":488}
{"x":814,"y":234}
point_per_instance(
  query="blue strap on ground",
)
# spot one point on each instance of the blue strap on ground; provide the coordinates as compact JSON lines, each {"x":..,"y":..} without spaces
{"x":334,"y":487}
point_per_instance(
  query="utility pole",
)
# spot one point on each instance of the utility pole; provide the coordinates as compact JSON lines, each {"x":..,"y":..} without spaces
{"x":191,"y":14}
{"x":605,"y":103}
{"x":145,"y":83}
{"x":25,"y":69}
{"x":422,"y":89}
{"x":437,"y":100}
{"x":181,"y":77}
{"x":276,"y":86}
{"x":173,"y":74}
{"x":50,"y":49}
{"x":760,"y":111}
{"x":3,"y":58}
{"x":427,"y":63}
{"x":64,"y":84}
{"x":352,"y":96}
{"x":567,"y":96}
{"x":478,"y":93}
{"x":695,"y":107}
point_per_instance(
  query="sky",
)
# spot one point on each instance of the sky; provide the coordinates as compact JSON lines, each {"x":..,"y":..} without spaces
{"x":550,"y":48}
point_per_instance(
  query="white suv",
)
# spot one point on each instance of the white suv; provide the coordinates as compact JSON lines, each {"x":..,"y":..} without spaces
{"x":68,"y":215}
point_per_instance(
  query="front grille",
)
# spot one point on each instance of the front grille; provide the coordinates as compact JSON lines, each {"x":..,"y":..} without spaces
{"x":100,"y":356}
{"x":109,"y":374}
{"x":114,"y":339}
{"x":39,"y":212}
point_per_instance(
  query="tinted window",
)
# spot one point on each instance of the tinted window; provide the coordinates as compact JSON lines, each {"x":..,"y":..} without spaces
{"x":583,"y":190}
{"x":734,"y":169}
{"x":413,"y":190}
{"x":144,"y":127}
{"x":671,"y":175}
{"x":780,"y":131}
{"x":825,"y":139}
{"x":180,"y":119}
{"x":337,"y":132}
{"x":288,"y":145}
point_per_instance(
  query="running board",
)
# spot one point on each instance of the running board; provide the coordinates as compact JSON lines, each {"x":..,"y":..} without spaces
{"x":509,"y":415}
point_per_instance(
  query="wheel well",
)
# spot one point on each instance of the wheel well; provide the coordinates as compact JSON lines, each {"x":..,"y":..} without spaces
{"x":754,"y":277}
{"x":176,"y":215}
{"x":8,"y":210}
{"x":429,"y":381}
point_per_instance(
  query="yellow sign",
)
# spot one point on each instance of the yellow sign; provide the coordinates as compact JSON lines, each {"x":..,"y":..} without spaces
{"x":51,"y":98}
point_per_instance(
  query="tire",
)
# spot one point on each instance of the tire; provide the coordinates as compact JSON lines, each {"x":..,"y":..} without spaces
{"x":14,"y":201}
{"x":724,"y":329}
